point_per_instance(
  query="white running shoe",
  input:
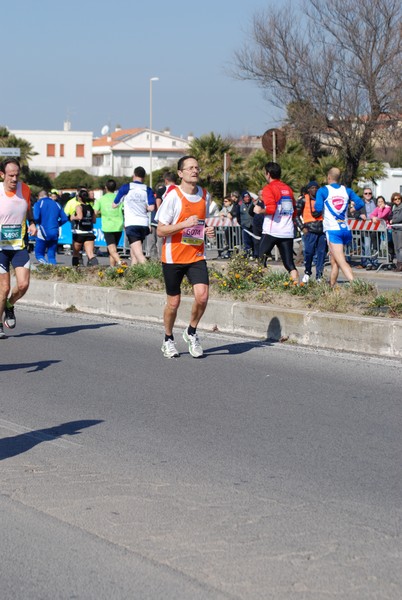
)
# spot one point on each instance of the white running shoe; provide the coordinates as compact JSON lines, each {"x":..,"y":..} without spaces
{"x":306,"y":278}
{"x":169,"y":349}
{"x":194,"y":346}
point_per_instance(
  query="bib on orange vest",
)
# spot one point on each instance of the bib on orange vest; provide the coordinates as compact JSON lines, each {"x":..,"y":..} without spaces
{"x":187,"y":246}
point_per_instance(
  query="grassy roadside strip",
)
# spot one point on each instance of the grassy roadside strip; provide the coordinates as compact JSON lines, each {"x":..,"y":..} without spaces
{"x":242,"y":280}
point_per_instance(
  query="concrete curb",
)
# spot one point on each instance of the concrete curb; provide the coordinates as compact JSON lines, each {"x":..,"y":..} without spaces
{"x":374,"y":336}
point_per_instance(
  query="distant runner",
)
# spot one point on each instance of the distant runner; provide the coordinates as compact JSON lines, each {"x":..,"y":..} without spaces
{"x":280,"y":211}
{"x":333,"y":200}
{"x":15,"y":209}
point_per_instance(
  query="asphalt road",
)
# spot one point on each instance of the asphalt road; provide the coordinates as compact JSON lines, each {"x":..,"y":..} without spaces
{"x":258,"y":472}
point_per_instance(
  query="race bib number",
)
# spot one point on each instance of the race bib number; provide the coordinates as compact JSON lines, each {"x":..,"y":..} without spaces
{"x":286,"y":207}
{"x":194,"y":236}
{"x":10,"y":235}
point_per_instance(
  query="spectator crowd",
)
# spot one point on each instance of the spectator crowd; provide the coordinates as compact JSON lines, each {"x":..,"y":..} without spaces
{"x":239,"y":209}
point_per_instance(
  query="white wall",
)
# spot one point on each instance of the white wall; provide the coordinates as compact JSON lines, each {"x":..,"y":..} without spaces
{"x":130,"y":153}
{"x":57,"y":164}
{"x":392,"y":183}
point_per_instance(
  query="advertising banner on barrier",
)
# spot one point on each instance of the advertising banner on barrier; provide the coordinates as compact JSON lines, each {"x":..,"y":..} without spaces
{"x":100,"y":238}
{"x":66,"y":236}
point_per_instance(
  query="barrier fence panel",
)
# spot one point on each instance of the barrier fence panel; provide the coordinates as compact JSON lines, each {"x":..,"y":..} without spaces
{"x":66,"y":236}
{"x":370,"y":242}
{"x":227,"y":235}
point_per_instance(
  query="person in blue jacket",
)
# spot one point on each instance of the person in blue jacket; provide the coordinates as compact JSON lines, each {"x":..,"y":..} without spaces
{"x":49,"y":216}
{"x":333,"y":200}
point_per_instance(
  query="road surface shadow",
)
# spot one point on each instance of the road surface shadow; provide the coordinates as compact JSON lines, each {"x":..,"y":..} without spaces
{"x":65,"y":330}
{"x":237,"y":348}
{"x":33,"y":367}
{"x":18,"y":444}
{"x":274,"y":334}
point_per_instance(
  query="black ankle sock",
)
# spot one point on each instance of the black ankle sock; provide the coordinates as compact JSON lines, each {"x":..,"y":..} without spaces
{"x":191,"y":330}
{"x":169,"y":337}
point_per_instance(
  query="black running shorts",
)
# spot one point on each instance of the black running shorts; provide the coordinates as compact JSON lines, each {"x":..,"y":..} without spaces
{"x":196,"y":272}
{"x":112,"y":237}
{"x":136,"y":233}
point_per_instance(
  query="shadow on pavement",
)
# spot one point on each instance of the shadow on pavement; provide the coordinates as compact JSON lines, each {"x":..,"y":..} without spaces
{"x":65,"y":330}
{"x":12,"y":446}
{"x":33,"y":367}
{"x":274,"y":334}
{"x":236,"y":348}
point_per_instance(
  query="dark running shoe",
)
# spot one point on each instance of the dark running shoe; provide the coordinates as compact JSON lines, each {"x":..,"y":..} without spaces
{"x":9,"y":317}
{"x":2,"y":334}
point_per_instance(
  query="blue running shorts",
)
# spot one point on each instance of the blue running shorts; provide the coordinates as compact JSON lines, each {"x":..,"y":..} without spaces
{"x":339,"y":236}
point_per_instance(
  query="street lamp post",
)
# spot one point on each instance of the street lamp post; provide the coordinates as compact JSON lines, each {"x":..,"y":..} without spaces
{"x":150,"y":128}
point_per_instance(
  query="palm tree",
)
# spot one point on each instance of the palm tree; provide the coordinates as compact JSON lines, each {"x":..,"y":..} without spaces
{"x":254,"y":170}
{"x":209,"y":150}
{"x":8,"y":140}
{"x":296,"y":164}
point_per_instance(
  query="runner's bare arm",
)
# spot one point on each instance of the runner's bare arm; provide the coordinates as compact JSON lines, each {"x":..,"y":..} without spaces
{"x":32,"y":226}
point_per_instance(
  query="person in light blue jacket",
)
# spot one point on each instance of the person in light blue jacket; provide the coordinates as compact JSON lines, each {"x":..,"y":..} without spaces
{"x":49,"y":216}
{"x":333,"y":200}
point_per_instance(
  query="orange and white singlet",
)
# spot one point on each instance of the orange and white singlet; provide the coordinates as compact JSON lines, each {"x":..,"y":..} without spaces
{"x":13,"y":214}
{"x":186,"y":246}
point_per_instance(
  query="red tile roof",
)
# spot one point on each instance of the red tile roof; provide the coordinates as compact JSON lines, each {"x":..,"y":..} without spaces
{"x":115,"y":137}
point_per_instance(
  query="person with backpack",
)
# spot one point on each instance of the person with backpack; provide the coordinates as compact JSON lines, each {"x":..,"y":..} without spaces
{"x":82,"y":221}
{"x":280,"y":212}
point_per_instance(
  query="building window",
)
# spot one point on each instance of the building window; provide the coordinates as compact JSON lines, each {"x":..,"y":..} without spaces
{"x":79,"y":150}
{"x":61,"y":149}
{"x":156,"y":138}
{"x":174,"y":143}
{"x":51,"y":150}
{"x":97,"y":160}
{"x":125,"y":161}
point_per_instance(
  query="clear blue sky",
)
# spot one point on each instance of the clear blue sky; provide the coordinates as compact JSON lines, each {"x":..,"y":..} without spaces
{"x":91,"y":61}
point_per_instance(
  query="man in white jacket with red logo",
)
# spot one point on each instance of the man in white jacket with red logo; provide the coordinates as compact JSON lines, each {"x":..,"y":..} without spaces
{"x":334,"y":199}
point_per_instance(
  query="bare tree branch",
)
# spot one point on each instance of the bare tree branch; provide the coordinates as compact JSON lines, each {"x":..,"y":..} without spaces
{"x":342,"y":58}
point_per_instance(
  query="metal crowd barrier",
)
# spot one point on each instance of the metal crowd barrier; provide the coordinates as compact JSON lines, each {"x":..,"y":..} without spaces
{"x":370,"y":242}
{"x":227,"y":238}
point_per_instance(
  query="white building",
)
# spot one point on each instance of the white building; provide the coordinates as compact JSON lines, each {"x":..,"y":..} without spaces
{"x":59,"y":151}
{"x":116,"y":154}
{"x":119,"y":152}
{"x":391,"y":183}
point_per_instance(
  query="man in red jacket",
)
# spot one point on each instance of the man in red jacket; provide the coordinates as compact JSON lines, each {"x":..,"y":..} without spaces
{"x":280,"y":212}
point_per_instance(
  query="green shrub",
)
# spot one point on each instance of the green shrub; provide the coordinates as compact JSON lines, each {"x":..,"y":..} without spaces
{"x":242,"y":279}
